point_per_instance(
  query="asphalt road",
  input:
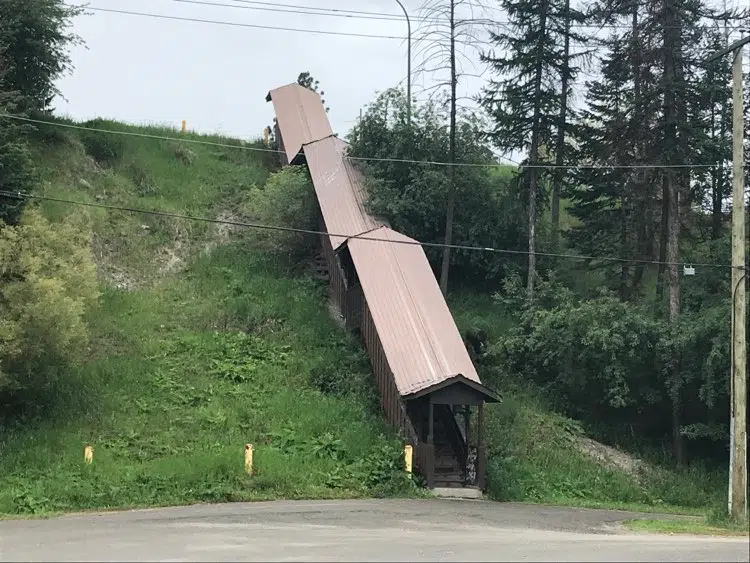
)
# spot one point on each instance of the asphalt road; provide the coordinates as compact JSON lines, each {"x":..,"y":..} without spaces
{"x":373,"y":530}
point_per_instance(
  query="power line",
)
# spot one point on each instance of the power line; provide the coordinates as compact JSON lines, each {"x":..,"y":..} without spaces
{"x":539,"y":166}
{"x":333,"y":10}
{"x":306,"y":10}
{"x":245,"y":25}
{"x":383,"y":16}
{"x":135,"y":134}
{"x":362,"y":236}
{"x":293,"y":9}
{"x":367,"y":158}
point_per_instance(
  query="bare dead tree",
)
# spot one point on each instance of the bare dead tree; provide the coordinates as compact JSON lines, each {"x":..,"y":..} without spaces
{"x":448,"y":33}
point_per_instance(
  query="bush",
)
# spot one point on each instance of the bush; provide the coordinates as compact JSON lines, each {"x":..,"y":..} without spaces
{"x":47,"y":285}
{"x":141,"y":178}
{"x":105,"y":148}
{"x":613,"y":363}
{"x":286,"y":200}
{"x":413,"y":198}
{"x":17,"y":171}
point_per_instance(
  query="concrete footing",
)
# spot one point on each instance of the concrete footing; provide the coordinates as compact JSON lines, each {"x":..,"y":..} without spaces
{"x":458,"y":492}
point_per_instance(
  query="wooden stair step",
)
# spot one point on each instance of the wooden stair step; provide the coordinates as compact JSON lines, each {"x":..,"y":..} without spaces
{"x":449,"y":485}
{"x":449,"y":468}
{"x":452,"y":463}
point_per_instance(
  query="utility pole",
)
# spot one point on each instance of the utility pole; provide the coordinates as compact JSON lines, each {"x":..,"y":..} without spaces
{"x":738,"y":382}
{"x":408,"y":62}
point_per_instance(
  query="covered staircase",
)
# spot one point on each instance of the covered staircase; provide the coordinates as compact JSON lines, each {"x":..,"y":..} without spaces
{"x":450,"y":451}
{"x":385,"y":290}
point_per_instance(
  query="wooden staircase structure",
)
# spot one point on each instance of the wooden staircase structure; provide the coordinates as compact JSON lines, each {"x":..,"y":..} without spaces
{"x":386,"y":291}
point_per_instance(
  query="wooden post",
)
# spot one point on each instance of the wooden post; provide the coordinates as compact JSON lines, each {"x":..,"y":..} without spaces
{"x":481,"y":452}
{"x":408,"y":457}
{"x":430,"y":449}
{"x":431,"y":425}
{"x":467,"y":426}
{"x":184,"y":126}
{"x":249,"y":459}
{"x":738,"y":432}
{"x":88,"y":454}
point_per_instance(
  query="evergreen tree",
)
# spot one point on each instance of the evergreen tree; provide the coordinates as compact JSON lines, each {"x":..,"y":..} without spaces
{"x":711,"y":108}
{"x":653,"y":105}
{"x":619,"y":128}
{"x":529,"y":59}
{"x":34,"y":36}
{"x":306,"y":79}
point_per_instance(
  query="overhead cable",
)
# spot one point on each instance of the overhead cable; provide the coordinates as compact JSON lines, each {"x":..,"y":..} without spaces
{"x":184,"y":139}
{"x":367,"y":15}
{"x":363,"y":236}
{"x":245,"y":25}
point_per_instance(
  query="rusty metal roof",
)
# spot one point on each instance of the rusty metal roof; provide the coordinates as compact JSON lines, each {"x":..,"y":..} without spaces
{"x":301,"y":117}
{"x":338,"y":185}
{"x":419,"y":336}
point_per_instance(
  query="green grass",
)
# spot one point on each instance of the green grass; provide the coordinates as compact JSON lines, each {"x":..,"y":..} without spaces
{"x":536,"y":456}
{"x":188,"y":366}
{"x":696,"y":527}
{"x":171,"y":402}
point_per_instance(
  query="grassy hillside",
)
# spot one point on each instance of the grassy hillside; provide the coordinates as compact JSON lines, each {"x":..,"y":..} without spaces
{"x":200,"y":345}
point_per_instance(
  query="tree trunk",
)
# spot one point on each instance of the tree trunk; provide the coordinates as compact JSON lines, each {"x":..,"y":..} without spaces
{"x":561,"y":127}
{"x":663,"y":238}
{"x":451,"y":157}
{"x":642,"y":199}
{"x":625,"y":269}
{"x":534,"y":151}
{"x":673,"y":231}
{"x":673,"y":110}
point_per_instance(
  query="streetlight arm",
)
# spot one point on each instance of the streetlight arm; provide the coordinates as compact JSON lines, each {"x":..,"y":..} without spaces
{"x":730,"y":49}
{"x":408,"y":62}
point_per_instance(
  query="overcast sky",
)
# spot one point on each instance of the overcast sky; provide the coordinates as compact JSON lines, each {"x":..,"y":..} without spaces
{"x":139,"y":69}
{"x":147,"y":70}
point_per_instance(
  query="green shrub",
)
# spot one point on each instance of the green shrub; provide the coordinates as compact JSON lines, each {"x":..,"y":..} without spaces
{"x":286,"y":200}
{"x":184,"y":155}
{"x":48,"y":283}
{"x":413,"y":198}
{"x":17,"y":170}
{"x":141,"y":178}
{"x":613,"y":363}
{"x":105,"y":148}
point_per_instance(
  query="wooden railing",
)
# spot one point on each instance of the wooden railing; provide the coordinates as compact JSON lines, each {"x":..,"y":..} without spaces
{"x":426,"y":463}
{"x":458,"y":441}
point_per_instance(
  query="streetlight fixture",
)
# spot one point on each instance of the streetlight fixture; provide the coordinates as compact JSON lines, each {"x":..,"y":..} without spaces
{"x":408,"y":63}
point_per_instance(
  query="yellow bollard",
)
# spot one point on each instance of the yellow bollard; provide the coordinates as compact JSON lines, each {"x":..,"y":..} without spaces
{"x":88,"y":454}
{"x":408,"y":452}
{"x":249,"y":459}
{"x":184,"y":126}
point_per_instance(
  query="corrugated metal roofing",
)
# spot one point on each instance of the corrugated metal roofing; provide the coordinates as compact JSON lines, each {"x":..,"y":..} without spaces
{"x":416,"y":329}
{"x":339,"y":188}
{"x":419,"y":337}
{"x":301,"y":117}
